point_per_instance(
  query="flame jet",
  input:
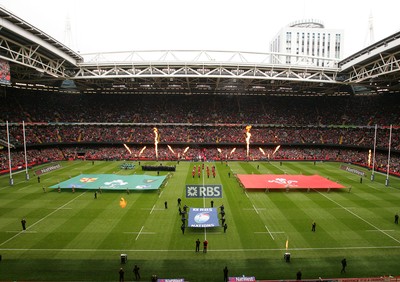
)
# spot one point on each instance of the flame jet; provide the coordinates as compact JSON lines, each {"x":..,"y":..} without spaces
{"x":156,"y":140}
{"x":248,"y":136}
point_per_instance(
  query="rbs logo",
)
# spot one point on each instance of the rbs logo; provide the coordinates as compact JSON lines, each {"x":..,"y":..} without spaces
{"x":207,"y":191}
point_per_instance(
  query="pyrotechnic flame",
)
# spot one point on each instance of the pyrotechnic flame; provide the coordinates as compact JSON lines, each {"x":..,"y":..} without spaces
{"x":219,"y":150}
{"x":369,"y":157}
{"x":122,"y":203}
{"x":129,"y":150}
{"x":186,"y":149}
{"x":233,"y":150}
{"x":141,"y":151}
{"x":155,"y":130}
{"x":248,"y":135}
{"x":276,"y":149}
{"x":169,"y":147}
{"x":262,"y":151}
{"x":287,"y":244}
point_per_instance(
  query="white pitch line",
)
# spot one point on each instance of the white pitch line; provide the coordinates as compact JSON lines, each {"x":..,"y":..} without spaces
{"x":145,"y":233}
{"x":356,"y":215}
{"x":43,"y":218}
{"x":160,"y":193}
{"x":378,"y":230}
{"x":18,"y":231}
{"x":214,"y":250}
{"x":246,"y":194}
{"x":139,"y":233}
{"x":255,"y":209}
{"x":26,"y":187}
{"x":249,"y":209}
{"x":270,"y":234}
{"x":152,"y":209}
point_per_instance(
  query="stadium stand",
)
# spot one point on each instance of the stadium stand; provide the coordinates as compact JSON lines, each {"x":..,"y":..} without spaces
{"x":95,"y":127}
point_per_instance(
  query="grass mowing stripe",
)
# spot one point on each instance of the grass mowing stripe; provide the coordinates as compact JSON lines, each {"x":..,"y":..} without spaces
{"x":356,"y":215}
{"x":99,"y":230}
{"x":40,"y":220}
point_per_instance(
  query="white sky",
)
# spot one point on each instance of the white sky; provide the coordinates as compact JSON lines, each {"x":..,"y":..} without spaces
{"x":230,"y":25}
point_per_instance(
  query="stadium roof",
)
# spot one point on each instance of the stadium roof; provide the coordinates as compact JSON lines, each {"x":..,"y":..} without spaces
{"x":39,"y":62}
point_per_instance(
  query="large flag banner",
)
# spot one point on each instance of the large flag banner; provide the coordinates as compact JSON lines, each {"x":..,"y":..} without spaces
{"x":204,"y":191}
{"x":113,"y":182}
{"x":203,"y":217}
{"x":286,"y":181}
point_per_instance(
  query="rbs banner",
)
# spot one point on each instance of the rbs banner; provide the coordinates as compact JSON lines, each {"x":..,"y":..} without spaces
{"x":204,"y":191}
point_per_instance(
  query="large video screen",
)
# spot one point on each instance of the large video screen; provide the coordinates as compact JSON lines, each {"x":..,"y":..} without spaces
{"x":5,"y":77}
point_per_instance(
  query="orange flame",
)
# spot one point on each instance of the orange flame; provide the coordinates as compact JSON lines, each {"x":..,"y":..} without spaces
{"x":129,"y":150}
{"x":287,"y":244}
{"x":122,"y":203}
{"x":141,"y":151}
{"x":169,"y":147}
{"x":219,"y":150}
{"x":248,"y":135}
{"x":155,"y":130}
{"x":276,"y":149}
{"x":369,"y":157}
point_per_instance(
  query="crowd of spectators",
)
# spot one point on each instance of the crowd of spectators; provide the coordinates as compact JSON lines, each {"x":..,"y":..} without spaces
{"x":239,"y":109}
{"x":323,"y":128}
{"x":213,"y":135}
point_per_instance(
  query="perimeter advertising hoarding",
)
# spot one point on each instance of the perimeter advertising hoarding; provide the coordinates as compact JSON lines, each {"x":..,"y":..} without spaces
{"x":243,"y":278}
{"x":47,"y":169}
{"x":352,"y":170}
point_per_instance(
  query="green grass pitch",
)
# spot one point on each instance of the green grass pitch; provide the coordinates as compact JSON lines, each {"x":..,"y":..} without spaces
{"x":74,"y":237}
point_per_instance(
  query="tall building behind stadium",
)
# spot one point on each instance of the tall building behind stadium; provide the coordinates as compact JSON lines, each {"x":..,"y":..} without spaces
{"x":307,"y":38}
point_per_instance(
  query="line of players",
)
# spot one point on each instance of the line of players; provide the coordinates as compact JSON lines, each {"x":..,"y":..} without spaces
{"x":200,"y":168}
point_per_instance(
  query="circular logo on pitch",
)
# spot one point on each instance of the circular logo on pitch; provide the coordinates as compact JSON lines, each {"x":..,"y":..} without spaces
{"x":202,"y":217}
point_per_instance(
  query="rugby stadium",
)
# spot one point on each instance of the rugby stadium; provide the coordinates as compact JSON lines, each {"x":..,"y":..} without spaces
{"x":197,"y":165}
